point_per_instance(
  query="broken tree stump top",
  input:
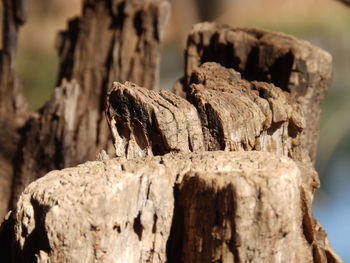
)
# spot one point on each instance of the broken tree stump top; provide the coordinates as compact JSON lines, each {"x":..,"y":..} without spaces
{"x":292,"y":64}
{"x":245,"y":206}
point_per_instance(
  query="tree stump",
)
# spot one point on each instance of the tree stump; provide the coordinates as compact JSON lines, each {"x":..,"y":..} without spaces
{"x":293,"y":65}
{"x":199,"y":207}
{"x":112,"y":40}
{"x":222,"y":173}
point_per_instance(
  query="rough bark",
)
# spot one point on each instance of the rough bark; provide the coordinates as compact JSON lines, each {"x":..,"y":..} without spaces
{"x":180,"y":206}
{"x":239,"y":115}
{"x":225,"y":206}
{"x":255,"y":116}
{"x":13,"y":106}
{"x":112,"y":40}
{"x":241,"y":225}
{"x":289,"y":63}
{"x":147,"y":123}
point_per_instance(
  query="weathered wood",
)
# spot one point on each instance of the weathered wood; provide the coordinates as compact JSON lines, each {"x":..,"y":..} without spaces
{"x":241,"y":225}
{"x":112,"y":40}
{"x":227,"y":206}
{"x":147,"y":123}
{"x":6,"y":237}
{"x":52,"y":138}
{"x":235,"y":115}
{"x":239,"y":115}
{"x":289,"y":63}
{"x":215,"y":206}
{"x":13,"y":106}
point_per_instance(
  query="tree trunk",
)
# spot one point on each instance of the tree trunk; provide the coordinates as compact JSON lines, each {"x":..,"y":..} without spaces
{"x":256,"y":116}
{"x":291,"y":64}
{"x":112,"y":40}
{"x":208,"y":207}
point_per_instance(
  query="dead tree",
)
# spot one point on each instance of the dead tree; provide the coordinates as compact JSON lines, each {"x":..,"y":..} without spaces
{"x":222,"y":173}
{"x":199,"y":207}
{"x":293,"y":65}
{"x":112,"y":40}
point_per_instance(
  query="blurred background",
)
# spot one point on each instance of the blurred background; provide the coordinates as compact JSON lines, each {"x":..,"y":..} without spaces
{"x":324,"y":23}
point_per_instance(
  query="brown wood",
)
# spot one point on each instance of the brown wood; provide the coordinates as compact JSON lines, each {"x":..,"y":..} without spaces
{"x":289,"y":63}
{"x":13,"y":105}
{"x":221,"y":174}
{"x":227,"y":113}
{"x":112,"y":40}
{"x":200,"y":207}
{"x":260,"y":116}
{"x":234,"y":114}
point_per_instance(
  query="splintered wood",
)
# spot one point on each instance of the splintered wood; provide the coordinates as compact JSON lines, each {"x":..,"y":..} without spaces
{"x":233,"y":207}
{"x":147,"y":123}
{"x":223,"y":112}
{"x":219,"y":171}
{"x":293,"y":65}
{"x":110,"y":41}
{"x":243,"y":90}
